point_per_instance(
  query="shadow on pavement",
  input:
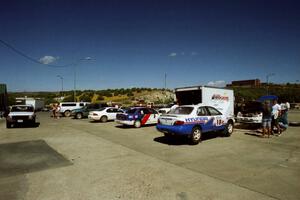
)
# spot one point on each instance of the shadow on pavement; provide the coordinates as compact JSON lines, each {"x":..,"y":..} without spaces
{"x":35,"y":125}
{"x":183,"y":140}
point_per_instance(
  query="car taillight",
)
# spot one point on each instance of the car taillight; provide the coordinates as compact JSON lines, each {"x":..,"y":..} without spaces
{"x":158,"y":121}
{"x":178,"y":123}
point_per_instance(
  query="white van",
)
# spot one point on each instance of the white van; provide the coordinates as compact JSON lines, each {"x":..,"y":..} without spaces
{"x":67,"y":107}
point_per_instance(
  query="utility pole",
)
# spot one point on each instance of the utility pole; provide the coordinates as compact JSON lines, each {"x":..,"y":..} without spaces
{"x":267,"y":77}
{"x":62,"y":84}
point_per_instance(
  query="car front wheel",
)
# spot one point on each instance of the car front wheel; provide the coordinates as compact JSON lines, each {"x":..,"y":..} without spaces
{"x":196,"y":135}
{"x":228,"y":129}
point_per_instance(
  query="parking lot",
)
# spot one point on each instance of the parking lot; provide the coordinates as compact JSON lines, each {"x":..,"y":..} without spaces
{"x":76,"y":159}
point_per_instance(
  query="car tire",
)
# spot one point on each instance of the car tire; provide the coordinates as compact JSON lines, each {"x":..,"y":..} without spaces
{"x":228,"y":129}
{"x":196,"y":135}
{"x":137,"y":124}
{"x":78,"y":116}
{"x":8,"y":125}
{"x":67,"y":113}
{"x":103,"y":119}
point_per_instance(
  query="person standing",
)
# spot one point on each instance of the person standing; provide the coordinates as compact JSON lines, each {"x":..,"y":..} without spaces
{"x":54,"y":111}
{"x":266,"y":119}
{"x":57,"y":111}
{"x":275,"y":114}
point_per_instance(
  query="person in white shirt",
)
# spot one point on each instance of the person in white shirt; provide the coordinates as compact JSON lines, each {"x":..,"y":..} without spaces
{"x":275,"y":113}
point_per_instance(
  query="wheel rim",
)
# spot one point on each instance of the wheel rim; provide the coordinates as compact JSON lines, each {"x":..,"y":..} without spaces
{"x":103,"y":119}
{"x":230,"y":128}
{"x":196,"y":134}
{"x":67,"y":113}
{"x":79,"y":116}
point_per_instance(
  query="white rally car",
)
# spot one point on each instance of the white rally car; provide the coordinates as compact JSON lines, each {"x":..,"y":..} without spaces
{"x":104,"y":114}
{"x":193,"y":120}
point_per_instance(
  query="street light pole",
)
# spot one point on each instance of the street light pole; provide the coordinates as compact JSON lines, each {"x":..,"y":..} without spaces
{"x":62,"y":84}
{"x":268,"y":75}
{"x":75,"y":65}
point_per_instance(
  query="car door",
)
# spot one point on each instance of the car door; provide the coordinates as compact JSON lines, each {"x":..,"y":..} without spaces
{"x":110,"y":113}
{"x":153,"y":116}
{"x":216,"y":119}
{"x":114,"y":112}
{"x":204,"y":119}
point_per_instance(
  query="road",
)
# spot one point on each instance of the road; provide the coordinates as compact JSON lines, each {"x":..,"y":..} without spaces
{"x":77,"y":159}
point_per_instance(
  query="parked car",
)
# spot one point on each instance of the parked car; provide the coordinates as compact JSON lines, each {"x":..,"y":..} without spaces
{"x":20,"y":114}
{"x":104,"y":114}
{"x":138,"y":116}
{"x":251,"y":113}
{"x":193,"y":120}
{"x":67,"y":107}
{"x":84,"y":111}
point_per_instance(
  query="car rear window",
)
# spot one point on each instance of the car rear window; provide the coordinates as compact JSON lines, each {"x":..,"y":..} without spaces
{"x":182,"y":110}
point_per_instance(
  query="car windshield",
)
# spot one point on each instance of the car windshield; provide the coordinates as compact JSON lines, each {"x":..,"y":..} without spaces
{"x":183,"y":110}
{"x":22,"y":109}
{"x":100,"y":109}
{"x":131,"y":111}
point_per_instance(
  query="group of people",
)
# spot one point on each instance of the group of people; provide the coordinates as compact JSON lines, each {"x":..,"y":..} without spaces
{"x":55,"y":110}
{"x":275,"y":117}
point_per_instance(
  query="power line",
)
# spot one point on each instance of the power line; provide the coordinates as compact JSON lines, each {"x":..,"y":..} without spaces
{"x":28,"y":57}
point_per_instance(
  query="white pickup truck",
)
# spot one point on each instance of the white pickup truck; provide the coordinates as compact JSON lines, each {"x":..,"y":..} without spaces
{"x":20,"y":114}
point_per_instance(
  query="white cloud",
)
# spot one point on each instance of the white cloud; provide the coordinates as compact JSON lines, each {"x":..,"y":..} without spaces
{"x":48,"y":59}
{"x":217,"y":83}
{"x":173,"y":54}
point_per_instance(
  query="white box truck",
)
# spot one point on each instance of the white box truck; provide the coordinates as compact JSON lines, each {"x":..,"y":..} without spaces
{"x":37,"y":104}
{"x":220,"y":98}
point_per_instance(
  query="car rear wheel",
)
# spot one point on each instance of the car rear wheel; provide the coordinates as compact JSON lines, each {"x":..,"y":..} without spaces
{"x":103,"y":119}
{"x":137,"y":124}
{"x":78,"y":115}
{"x":196,"y":135}
{"x":67,"y":113}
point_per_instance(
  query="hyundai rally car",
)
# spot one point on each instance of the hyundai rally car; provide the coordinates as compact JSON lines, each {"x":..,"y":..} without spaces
{"x":193,"y":120}
{"x":138,"y":116}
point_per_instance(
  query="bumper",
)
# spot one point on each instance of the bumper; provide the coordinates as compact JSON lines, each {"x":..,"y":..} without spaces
{"x":249,"y":120}
{"x":176,"y":130}
{"x":126,"y":122}
{"x":94,"y":118}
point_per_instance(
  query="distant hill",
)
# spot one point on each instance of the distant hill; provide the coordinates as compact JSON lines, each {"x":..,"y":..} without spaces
{"x":122,"y":96}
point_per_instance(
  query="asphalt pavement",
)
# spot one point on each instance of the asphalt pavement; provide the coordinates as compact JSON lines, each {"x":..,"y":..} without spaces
{"x":76,"y":159}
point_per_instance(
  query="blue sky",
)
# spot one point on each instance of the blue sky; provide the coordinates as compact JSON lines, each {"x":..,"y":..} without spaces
{"x":134,"y":43}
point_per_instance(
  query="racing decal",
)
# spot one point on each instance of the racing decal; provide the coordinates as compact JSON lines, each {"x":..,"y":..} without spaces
{"x":145,"y":118}
{"x":219,"y":97}
{"x":218,"y":122}
{"x":196,"y":120}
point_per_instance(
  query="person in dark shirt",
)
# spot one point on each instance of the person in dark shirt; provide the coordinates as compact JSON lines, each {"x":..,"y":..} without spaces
{"x":267,"y":118}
